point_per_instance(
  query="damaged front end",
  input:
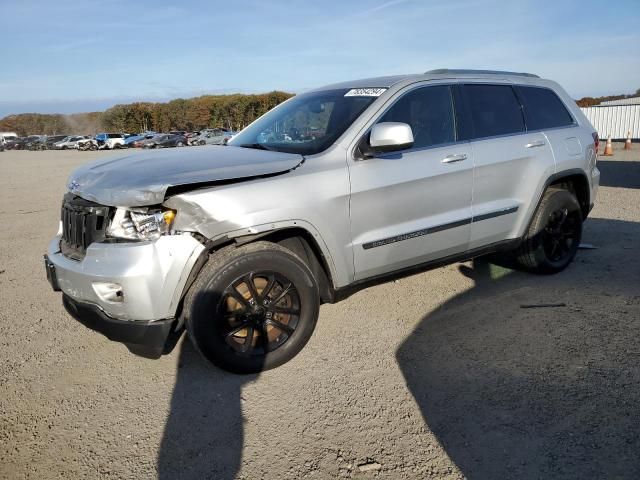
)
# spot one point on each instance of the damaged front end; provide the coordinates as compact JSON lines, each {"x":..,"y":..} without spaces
{"x":144,"y":178}
{"x":120,"y":259}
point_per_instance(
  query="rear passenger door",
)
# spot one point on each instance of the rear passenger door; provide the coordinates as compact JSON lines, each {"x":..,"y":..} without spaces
{"x":545,"y":112}
{"x":508,"y":162}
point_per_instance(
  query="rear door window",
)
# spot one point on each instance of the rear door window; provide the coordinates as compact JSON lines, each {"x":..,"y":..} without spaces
{"x":543,"y":109}
{"x":429,"y":112}
{"x":495,"y":110}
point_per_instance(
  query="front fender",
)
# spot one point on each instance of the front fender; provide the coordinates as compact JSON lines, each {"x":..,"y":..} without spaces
{"x":192,"y":217}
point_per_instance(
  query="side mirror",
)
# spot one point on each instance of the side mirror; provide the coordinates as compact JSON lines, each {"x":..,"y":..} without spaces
{"x":390,"y":137}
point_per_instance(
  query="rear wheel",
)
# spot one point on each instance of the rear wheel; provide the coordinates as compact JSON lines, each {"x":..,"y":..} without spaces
{"x":252,"y":308}
{"x":179,"y":144}
{"x":554,"y":235}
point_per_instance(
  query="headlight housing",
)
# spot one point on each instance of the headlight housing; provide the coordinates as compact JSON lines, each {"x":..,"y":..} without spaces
{"x":141,"y":224}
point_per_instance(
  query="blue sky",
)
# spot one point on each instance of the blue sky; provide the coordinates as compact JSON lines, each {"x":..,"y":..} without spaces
{"x":71,"y":55}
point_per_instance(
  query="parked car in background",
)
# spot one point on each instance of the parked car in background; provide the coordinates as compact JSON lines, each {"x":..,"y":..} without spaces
{"x":20,"y":143}
{"x":212,"y":136}
{"x":131,"y":140}
{"x":165,"y":140}
{"x":7,"y":136}
{"x":36,"y":143}
{"x":52,"y":140}
{"x":69,"y":142}
{"x":87,"y":144}
{"x":110,"y":140}
{"x":15,"y":143}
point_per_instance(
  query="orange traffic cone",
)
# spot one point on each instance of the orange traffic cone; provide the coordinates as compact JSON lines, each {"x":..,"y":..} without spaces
{"x":627,"y":144}
{"x":608,"y":149}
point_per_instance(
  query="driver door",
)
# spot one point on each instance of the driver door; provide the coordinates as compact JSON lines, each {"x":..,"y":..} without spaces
{"x":413,"y":206}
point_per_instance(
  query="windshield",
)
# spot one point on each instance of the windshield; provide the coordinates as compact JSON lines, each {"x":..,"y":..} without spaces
{"x":307,"y":124}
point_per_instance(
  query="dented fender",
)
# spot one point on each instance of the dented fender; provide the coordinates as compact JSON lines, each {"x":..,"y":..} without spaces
{"x":216,"y":226}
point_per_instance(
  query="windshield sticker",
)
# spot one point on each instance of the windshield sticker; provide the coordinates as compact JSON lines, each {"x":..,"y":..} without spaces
{"x":365,"y":92}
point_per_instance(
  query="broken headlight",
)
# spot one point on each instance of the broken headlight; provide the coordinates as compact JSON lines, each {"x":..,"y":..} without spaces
{"x":141,"y":224}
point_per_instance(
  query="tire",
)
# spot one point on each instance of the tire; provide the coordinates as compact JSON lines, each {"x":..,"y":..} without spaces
{"x":247,"y":331}
{"x":552,"y":240}
{"x":202,"y":143}
{"x":179,"y":144}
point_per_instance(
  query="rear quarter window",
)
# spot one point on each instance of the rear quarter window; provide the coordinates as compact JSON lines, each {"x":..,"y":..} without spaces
{"x":494,"y":109}
{"x":543,"y":108}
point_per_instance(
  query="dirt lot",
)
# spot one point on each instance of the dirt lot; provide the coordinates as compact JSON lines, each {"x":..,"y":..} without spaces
{"x":438,"y":375}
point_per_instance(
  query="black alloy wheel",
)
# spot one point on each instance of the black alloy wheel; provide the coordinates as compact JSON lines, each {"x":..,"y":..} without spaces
{"x":553,"y":237}
{"x":261,"y":310}
{"x":252,"y":307}
{"x":561,"y":234}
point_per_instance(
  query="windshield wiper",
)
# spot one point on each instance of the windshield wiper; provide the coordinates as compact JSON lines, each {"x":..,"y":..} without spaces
{"x":257,"y":146}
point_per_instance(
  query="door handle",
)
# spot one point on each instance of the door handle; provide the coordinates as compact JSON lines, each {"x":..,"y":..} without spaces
{"x":454,"y":158}
{"x":535,"y":143}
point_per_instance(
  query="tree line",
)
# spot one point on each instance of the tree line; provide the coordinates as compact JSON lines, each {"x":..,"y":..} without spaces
{"x":591,"y":101}
{"x":208,"y":111}
{"x":232,"y":112}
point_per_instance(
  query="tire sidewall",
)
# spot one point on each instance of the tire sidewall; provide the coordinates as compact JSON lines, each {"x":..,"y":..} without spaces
{"x":205,"y":328}
{"x":556,"y":200}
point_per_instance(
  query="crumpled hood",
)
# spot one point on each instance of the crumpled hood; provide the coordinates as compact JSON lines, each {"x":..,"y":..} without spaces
{"x":142,"y":178}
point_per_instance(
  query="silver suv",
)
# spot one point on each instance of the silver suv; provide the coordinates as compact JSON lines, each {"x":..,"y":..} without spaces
{"x":336,"y":188}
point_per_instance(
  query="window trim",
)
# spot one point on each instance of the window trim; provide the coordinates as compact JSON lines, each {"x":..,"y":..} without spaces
{"x":517,"y":86}
{"x":375,"y":119}
{"x":514,"y":86}
{"x":462,"y":113}
{"x":463,"y":96}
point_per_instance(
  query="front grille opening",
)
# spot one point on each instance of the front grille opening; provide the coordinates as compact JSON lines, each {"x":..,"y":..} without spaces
{"x":83,"y":223}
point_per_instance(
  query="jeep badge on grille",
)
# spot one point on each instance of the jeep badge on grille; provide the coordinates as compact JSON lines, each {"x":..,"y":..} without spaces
{"x":74,"y":186}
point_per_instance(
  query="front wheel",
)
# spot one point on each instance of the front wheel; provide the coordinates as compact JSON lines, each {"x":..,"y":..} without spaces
{"x":252,"y":308}
{"x":554,"y":235}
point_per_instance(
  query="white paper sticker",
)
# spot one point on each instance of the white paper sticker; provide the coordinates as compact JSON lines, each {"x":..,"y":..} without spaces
{"x":365,"y":92}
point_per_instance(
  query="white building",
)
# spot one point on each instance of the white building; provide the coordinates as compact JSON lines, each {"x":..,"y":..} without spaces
{"x":622,"y":101}
{"x":615,"y":120}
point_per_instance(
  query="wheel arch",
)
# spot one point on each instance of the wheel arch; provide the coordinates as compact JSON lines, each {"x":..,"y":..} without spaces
{"x":298,"y":239}
{"x":573,"y":180}
{"x":576,"y":182}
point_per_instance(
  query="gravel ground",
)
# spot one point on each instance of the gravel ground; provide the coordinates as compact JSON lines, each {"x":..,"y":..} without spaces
{"x":437,"y":375}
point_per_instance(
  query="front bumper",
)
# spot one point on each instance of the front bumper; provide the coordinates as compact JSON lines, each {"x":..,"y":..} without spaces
{"x":152,"y":275}
{"x":148,"y":339}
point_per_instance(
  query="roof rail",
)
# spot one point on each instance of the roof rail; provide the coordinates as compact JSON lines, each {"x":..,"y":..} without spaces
{"x":453,"y":71}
